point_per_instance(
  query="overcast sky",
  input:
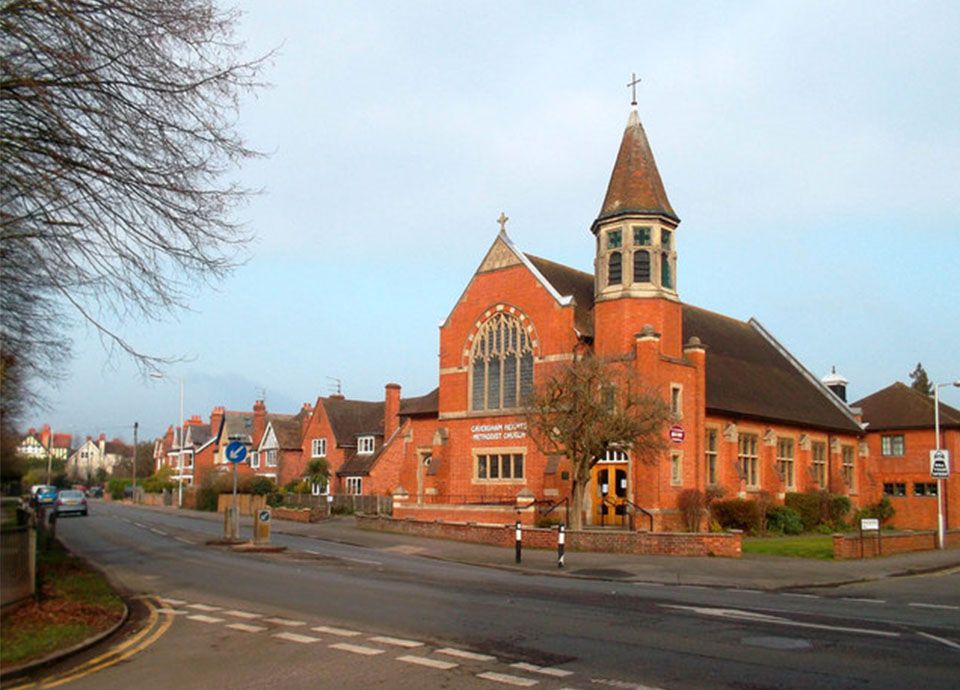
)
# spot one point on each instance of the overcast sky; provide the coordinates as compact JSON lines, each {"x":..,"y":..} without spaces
{"x":812,"y":151}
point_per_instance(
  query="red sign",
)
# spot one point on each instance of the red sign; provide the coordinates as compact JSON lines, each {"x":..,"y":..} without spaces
{"x":677,"y":434}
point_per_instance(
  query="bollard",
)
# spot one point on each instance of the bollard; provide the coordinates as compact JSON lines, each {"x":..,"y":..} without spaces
{"x":560,"y":537}
{"x":518,"y":534}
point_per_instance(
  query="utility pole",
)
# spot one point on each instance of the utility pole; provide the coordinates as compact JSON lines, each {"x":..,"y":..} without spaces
{"x":136,"y":425}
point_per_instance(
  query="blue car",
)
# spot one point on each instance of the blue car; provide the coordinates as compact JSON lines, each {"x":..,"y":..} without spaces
{"x":46,"y":496}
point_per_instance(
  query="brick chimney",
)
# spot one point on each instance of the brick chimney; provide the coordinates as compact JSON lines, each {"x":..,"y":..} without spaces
{"x":391,"y":409}
{"x":216,"y":419}
{"x":45,"y":436}
{"x":306,"y":412}
{"x":259,"y":421}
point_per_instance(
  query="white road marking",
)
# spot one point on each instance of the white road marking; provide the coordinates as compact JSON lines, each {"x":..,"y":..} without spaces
{"x":185,"y":541}
{"x":175,"y":612}
{"x":242,"y":614}
{"x":173,"y":602}
{"x":949,"y":643}
{"x":362,"y":560}
{"x":293,"y":637}
{"x":545,"y":670}
{"x":310,"y":551}
{"x":865,"y":600}
{"x":140,"y":524}
{"x":246,"y":628}
{"x":754,"y":617}
{"x":800,"y":595}
{"x":424,"y":661}
{"x":946,"y":607}
{"x":462,"y":654}
{"x":397,"y":642}
{"x":356,"y":649}
{"x":622,"y":684}
{"x":507,"y":679}
{"x":648,"y":584}
{"x":336,"y":631}
{"x":691,"y":586}
{"x":158,"y":531}
{"x":203,"y":607}
{"x":205,"y":619}
{"x":284,"y":621}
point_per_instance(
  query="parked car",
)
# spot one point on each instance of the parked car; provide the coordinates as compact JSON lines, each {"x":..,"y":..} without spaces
{"x":71,"y":501}
{"x":95,"y":492}
{"x":45,"y":495}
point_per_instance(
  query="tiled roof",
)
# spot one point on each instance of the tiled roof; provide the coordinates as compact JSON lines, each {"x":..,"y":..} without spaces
{"x":199,"y":434}
{"x":901,"y":407}
{"x":287,"y":430}
{"x":570,"y":281}
{"x":428,"y":404}
{"x":352,"y":418}
{"x":635,"y":184}
{"x":237,"y":424}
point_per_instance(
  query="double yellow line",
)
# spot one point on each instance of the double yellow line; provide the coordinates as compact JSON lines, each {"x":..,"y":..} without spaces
{"x":154,"y":629}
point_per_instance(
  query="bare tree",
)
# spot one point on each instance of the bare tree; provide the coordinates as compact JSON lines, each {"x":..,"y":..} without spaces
{"x":117,"y":132}
{"x":588,"y":407}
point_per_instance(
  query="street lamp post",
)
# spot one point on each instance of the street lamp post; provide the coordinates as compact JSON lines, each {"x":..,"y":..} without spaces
{"x":936,"y":431}
{"x":158,"y":375}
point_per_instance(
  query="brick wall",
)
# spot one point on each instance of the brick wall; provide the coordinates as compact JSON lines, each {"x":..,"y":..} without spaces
{"x":300,"y":514}
{"x":482,"y":514}
{"x":637,"y":543}
{"x":848,"y":545}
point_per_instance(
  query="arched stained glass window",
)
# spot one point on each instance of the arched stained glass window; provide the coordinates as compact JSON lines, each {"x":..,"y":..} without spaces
{"x":615,"y":269}
{"x":501,"y":366}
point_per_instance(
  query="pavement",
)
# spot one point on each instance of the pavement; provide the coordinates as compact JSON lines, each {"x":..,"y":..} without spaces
{"x":752,"y":571}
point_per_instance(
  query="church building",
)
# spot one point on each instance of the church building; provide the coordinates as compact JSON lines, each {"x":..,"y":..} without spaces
{"x":747,"y":416}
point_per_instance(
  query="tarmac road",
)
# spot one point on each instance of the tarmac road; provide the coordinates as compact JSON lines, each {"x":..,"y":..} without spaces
{"x":328,"y":614}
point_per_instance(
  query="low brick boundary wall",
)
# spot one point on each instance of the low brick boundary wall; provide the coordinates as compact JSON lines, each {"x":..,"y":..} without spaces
{"x":846,"y":546}
{"x":300,"y":514}
{"x":726,"y":544}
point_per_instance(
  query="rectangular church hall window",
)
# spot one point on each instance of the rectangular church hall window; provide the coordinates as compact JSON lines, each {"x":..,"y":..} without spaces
{"x":818,"y":450}
{"x":925,"y":489}
{"x":614,"y":239}
{"x":748,"y":459}
{"x":517,"y":466}
{"x":895,"y":489}
{"x":481,"y":467}
{"x":892,"y":445}
{"x":711,"y":455}
{"x":641,"y":236}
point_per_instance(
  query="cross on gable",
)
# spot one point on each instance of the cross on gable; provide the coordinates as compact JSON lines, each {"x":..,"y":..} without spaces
{"x":503,"y":221}
{"x":633,"y":84}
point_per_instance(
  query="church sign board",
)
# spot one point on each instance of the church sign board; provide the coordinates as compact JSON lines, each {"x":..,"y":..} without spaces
{"x":940,"y":464}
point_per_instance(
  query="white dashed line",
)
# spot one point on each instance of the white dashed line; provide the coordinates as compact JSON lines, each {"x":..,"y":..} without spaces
{"x":140,"y":524}
{"x":246,"y":628}
{"x":431,"y":663}
{"x":800,"y":595}
{"x":173,"y":602}
{"x":691,"y":587}
{"x":293,"y":637}
{"x":397,"y":642}
{"x":205,"y":619}
{"x":158,"y":531}
{"x":647,"y":584}
{"x":284,"y":621}
{"x":314,"y":553}
{"x":473,"y":656}
{"x":340,"y":632}
{"x":864,"y":600}
{"x":545,"y":670}
{"x":356,"y":649}
{"x":507,"y":679}
{"x":942,"y":640}
{"x":185,"y":541}
{"x":174,"y":612}
{"x":945,"y":607}
{"x":362,"y":560}
{"x":203,"y":607}
{"x":242,"y":614}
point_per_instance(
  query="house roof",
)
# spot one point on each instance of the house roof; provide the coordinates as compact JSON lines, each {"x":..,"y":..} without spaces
{"x":62,"y":440}
{"x":237,"y":424}
{"x":428,"y":404}
{"x":635,"y":185}
{"x":899,"y":406}
{"x":352,"y":418}
{"x":199,"y":434}
{"x":287,"y":429}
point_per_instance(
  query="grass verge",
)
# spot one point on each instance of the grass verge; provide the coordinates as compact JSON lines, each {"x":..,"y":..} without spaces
{"x":75,"y":603}
{"x":803,"y":546}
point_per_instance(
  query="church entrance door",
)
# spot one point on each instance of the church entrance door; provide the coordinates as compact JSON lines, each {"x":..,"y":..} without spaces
{"x":609,"y":494}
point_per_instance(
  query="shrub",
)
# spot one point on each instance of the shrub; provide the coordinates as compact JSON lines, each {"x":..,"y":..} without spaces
{"x":693,"y":505}
{"x":784,"y":520}
{"x":549,"y":522}
{"x":736,"y":513}
{"x":207,"y":499}
{"x":819,"y":508}
{"x":116,"y":486}
{"x":882,"y":510}
{"x":261,"y":486}
{"x":159,"y":481}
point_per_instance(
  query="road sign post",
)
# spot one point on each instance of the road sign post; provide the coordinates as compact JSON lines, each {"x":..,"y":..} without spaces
{"x":261,"y":526}
{"x":235,"y":453}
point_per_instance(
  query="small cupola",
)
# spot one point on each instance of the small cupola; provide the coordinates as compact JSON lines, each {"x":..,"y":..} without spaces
{"x":836,"y":383}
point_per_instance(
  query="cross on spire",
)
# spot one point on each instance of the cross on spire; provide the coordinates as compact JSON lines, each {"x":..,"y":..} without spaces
{"x":503,"y":221}
{"x":633,"y":84}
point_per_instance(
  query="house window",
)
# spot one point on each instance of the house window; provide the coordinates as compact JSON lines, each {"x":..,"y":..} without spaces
{"x":846,"y":455}
{"x":502,"y":364}
{"x":318,"y":448}
{"x":676,"y":401}
{"x":892,"y":445}
{"x":270,"y":459}
{"x":614,"y":239}
{"x":895,"y":489}
{"x":641,"y":266}
{"x":924,"y":488}
{"x":785,"y":461}
{"x":748,"y":459}
{"x":365,"y":445}
{"x":819,"y":452}
{"x":254,"y":459}
{"x":500,"y":466}
{"x":641,"y":236}
{"x":710,"y":443}
{"x":666,"y":276}
{"x":355,"y":486}
{"x":615,"y":269}
{"x":676,"y":468}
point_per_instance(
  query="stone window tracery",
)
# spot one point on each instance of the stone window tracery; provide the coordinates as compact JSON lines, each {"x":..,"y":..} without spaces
{"x":501,"y":364}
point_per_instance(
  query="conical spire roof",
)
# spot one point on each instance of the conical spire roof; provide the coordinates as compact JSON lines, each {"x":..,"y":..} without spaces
{"x":635,"y":184}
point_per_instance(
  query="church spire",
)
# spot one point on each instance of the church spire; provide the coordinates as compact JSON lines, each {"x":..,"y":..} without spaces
{"x":635,"y":185}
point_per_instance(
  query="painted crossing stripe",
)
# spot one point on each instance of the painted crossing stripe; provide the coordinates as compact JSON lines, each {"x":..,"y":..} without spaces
{"x":356,"y":649}
{"x":430,"y":663}
{"x":205,"y":619}
{"x":173,"y":612}
{"x":203,"y":607}
{"x":397,"y":642}
{"x":945,"y":607}
{"x":242,"y":614}
{"x":545,"y":670}
{"x":246,"y":628}
{"x":284,"y":621}
{"x":172,"y":602}
{"x":507,"y":679}
{"x":473,"y":656}
{"x":293,"y":637}
{"x":340,"y":632}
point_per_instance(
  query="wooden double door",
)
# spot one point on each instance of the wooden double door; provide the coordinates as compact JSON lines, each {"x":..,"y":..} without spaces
{"x":610,"y":493}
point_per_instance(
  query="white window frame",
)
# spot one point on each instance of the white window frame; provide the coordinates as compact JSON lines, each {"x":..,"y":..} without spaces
{"x":751,"y":461}
{"x":254,"y":459}
{"x":318,"y":447}
{"x":786,"y":459}
{"x":505,"y":459}
{"x":819,"y":463}
{"x":711,"y":453}
{"x":848,"y":465}
{"x":887,"y":446}
{"x":271,"y":457}
{"x":366,"y":445}
{"x":355,"y":486}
